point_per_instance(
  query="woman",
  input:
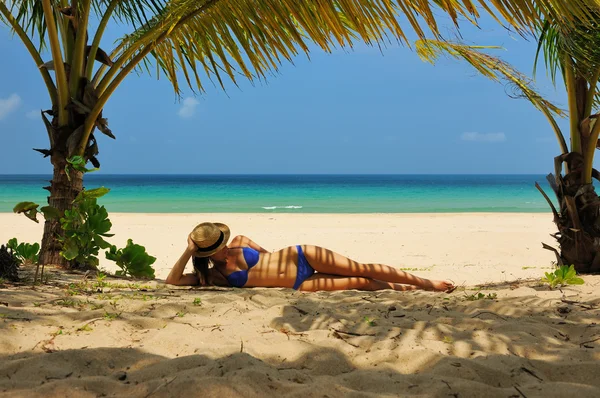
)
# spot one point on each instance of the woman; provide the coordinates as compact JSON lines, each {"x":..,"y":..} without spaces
{"x":307,"y":268}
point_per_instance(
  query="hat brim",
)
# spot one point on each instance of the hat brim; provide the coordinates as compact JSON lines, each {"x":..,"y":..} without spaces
{"x":226,"y":234}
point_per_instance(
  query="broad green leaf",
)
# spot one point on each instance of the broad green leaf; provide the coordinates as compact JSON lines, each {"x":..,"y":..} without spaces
{"x":35,"y":249}
{"x":93,"y":261}
{"x":26,"y":253}
{"x":92,"y":193}
{"x":76,"y":161}
{"x":99,"y":223}
{"x":133,"y":260}
{"x":111,"y":254}
{"x":70,"y":250}
{"x":50,"y":213}
{"x":32,"y":215}
{"x":570,"y":272}
{"x":576,"y":281}
{"x":23,"y":207}
{"x":12,"y":244}
{"x":101,"y":242}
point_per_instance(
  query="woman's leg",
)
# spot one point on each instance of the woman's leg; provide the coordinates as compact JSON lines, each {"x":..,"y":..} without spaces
{"x":326,"y":282}
{"x":327,"y":262}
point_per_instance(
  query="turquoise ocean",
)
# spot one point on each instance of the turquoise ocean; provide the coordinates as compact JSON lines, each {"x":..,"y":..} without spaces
{"x":298,"y":193}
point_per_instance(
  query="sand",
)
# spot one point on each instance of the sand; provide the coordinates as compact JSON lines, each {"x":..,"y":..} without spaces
{"x":75,"y":336}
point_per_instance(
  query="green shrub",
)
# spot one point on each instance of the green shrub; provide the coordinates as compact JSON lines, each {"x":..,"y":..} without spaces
{"x":77,"y":163}
{"x":480,"y":296}
{"x":26,"y":253}
{"x":564,"y":275}
{"x":133,"y":260}
{"x":85,"y":226}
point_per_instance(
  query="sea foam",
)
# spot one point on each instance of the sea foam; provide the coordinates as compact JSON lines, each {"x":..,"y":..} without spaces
{"x":281,"y":207}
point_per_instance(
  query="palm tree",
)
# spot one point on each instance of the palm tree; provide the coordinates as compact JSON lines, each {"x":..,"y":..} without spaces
{"x":221,"y":38}
{"x":573,"y":50}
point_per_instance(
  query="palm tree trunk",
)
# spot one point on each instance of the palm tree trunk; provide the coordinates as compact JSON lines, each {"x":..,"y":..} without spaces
{"x":62,"y":193}
{"x":578,"y":217}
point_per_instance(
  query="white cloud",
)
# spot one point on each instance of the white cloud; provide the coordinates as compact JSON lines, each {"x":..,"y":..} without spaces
{"x":33,"y":115}
{"x":9,"y":104}
{"x":188,"y":109}
{"x":483,"y":137}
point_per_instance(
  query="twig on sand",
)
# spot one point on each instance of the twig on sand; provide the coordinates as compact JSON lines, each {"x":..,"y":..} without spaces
{"x":430,"y":307}
{"x":300,"y":310}
{"x":187,"y":323}
{"x":227,"y":311}
{"x":288,"y":332}
{"x":241,"y":345}
{"x":579,"y":304}
{"x":15,"y":318}
{"x":390,"y":309}
{"x":367,"y":299}
{"x":353,"y":334}
{"x":59,"y":377}
{"x":161,"y":386}
{"x":90,"y":321}
{"x":520,"y":392}
{"x":531,"y":372}
{"x":339,"y":336}
{"x":583,"y":343}
{"x":488,"y":312}
{"x":216,"y":326}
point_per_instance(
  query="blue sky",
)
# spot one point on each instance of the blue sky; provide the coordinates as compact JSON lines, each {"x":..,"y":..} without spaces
{"x":353,"y":111}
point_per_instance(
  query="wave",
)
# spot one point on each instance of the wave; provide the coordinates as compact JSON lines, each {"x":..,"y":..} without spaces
{"x":281,"y":207}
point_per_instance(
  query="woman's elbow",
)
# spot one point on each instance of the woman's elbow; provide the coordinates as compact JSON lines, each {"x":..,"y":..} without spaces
{"x":238,"y":240}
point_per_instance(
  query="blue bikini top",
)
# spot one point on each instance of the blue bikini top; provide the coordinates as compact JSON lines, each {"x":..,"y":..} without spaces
{"x":239,"y":278}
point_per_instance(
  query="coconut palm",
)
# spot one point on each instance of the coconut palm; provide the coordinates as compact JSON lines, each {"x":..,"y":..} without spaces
{"x":199,"y":39}
{"x":573,"y":51}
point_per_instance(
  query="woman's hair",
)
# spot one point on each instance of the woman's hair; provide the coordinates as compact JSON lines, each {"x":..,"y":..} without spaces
{"x":207,"y":274}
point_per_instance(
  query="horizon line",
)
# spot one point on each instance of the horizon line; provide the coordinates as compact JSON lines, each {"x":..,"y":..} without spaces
{"x":284,"y":174}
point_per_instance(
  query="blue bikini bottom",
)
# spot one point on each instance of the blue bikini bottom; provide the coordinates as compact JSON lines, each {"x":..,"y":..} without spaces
{"x":305,"y":270}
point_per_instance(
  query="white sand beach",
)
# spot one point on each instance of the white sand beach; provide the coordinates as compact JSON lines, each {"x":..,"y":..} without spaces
{"x":73,"y":337}
{"x":470,"y":248}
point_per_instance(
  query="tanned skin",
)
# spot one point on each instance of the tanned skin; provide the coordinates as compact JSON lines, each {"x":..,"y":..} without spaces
{"x":279,"y":269}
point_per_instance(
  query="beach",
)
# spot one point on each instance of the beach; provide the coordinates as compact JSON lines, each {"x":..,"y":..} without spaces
{"x":502,"y":333}
{"x":469,"y":248}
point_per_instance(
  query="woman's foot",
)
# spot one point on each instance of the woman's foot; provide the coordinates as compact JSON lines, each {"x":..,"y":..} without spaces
{"x":444,"y":286}
{"x":439,"y":286}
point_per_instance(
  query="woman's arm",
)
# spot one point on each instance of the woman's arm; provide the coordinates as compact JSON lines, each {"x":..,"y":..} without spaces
{"x":244,"y":241}
{"x":176,"y":276}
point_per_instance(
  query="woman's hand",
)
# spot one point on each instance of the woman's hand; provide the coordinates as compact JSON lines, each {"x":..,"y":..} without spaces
{"x":176,"y":276}
{"x":191,"y":245}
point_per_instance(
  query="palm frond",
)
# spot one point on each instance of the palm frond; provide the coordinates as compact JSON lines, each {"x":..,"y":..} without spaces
{"x":548,"y":47}
{"x":132,"y":12}
{"x":29,"y":14}
{"x":251,"y":38}
{"x":489,"y":66}
{"x":581,"y":42}
{"x":496,"y":70}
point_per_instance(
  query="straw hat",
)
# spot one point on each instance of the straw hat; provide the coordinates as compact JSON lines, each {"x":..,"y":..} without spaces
{"x":210,"y":238}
